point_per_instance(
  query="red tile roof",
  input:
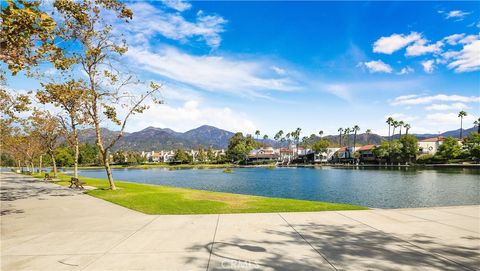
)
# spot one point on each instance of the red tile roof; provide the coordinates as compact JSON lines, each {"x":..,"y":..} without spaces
{"x":366,"y":147}
{"x":434,"y":139}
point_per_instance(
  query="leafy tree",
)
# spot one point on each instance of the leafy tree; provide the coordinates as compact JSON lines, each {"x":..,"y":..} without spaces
{"x":67,"y":96}
{"x":27,"y":35}
{"x":211,"y":155}
{"x":64,"y":156}
{"x":96,"y":51}
{"x":450,"y":148}
{"x":119,"y":158}
{"x":472,"y":145}
{"x":321,"y":146}
{"x":409,"y":147}
{"x":202,"y":155}
{"x":88,"y":154}
{"x":381,"y":151}
{"x":47,"y":130}
{"x":239,"y":147}
{"x":181,"y":156}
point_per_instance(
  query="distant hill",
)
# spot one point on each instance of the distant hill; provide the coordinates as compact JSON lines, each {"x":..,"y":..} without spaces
{"x":152,"y":138}
{"x":453,"y":133}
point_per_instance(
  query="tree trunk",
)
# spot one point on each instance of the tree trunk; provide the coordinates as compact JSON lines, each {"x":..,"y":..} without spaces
{"x":77,"y":152}
{"x":54,"y":165}
{"x":40,"y":163}
{"x":108,"y":169}
{"x":461,"y":127}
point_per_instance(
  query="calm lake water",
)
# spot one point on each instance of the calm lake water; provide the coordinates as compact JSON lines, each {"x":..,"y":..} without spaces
{"x":376,"y":188}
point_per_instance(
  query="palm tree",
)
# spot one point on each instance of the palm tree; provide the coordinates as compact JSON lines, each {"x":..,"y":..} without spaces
{"x":407,"y":127}
{"x":477,"y":124}
{"x":400,"y":124}
{"x":395,"y":125}
{"x":265,"y":137}
{"x":340,"y":131}
{"x":297,"y":137}
{"x":389,"y":122}
{"x":346,"y":132}
{"x":257,"y":133}
{"x":461,"y":114}
{"x":368,"y":132}
{"x":355,"y":129}
{"x":278,"y":135}
{"x":320,"y":133}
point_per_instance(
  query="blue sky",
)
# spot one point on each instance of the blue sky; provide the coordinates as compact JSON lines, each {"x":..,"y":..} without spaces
{"x":270,"y":65}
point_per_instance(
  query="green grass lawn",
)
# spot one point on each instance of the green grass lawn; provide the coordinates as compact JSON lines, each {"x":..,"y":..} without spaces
{"x":156,"y":199}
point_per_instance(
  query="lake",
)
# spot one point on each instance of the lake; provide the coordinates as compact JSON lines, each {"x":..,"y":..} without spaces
{"x":372,"y":187}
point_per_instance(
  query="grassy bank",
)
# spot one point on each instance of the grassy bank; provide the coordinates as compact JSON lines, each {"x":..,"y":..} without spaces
{"x":160,"y":165}
{"x":155,"y":199}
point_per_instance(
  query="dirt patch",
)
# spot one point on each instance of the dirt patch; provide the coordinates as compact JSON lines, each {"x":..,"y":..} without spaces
{"x":233,"y":201}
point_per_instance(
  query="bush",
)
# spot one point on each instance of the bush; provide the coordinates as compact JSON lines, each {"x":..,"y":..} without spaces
{"x":430,"y":159}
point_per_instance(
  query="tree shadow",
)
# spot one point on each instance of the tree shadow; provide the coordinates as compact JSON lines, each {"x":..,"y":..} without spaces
{"x":347,"y":247}
{"x":13,"y":188}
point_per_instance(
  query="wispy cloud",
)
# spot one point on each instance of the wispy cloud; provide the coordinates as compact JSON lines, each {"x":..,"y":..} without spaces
{"x":178,"y":5}
{"x":212,"y":73}
{"x":458,"y":15}
{"x":406,"y":70}
{"x":454,"y":106}
{"x":417,"y":99}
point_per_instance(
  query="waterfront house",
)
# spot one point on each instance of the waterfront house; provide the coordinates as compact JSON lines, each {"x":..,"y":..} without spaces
{"x":366,"y":153}
{"x":430,"y":145}
{"x":263,"y":155}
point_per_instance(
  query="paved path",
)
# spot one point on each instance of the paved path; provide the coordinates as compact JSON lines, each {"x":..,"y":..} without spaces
{"x":47,"y":227}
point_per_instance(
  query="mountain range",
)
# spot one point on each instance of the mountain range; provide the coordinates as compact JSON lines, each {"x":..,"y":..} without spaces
{"x":152,"y":138}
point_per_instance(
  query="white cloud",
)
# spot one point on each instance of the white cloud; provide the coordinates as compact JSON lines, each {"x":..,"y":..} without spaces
{"x":149,"y":21}
{"x":468,"y":59}
{"x":394,"y":42}
{"x":377,"y":66}
{"x":454,"y":106}
{"x":428,"y":66}
{"x":405,"y":70}
{"x":454,"y":39}
{"x":448,"y":118}
{"x":212,"y":73}
{"x":178,"y":5}
{"x":416,"y":99}
{"x":190,"y":115}
{"x":456,"y":14}
{"x":420,"y":47}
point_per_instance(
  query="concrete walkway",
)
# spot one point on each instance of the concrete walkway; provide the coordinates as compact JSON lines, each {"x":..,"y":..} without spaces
{"x":47,"y":227}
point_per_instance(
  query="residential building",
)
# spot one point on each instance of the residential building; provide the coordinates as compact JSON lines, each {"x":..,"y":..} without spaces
{"x":366,"y":153}
{"x":430,"y":145}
